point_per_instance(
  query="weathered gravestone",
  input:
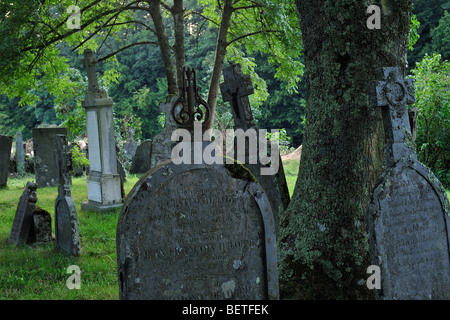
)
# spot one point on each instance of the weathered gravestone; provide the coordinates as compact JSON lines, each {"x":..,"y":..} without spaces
{"x":66,"y":219}
{"x":103,"y":182}
{"x":235,"y":89}
{"x":130,"y":145}
{"x":46,"y":169}
{"x":196,"y":231}
{"x":41,"y":227}
{"x":162,"y":144}
{"x":20,"y":156}
{"x":408,"y":209}
{"x":141,"y":159}
{"x":5,"y":154}
{"x":24,"y":215}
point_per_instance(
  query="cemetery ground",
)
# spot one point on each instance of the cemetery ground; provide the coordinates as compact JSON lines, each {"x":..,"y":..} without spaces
{"x":39,"y":272}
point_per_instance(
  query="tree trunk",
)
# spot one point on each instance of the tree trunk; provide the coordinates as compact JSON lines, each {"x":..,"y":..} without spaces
{"x":221,"y":50}
{"x":323,"y":234}
{"x":155,"y":12}
{"x":180,"y":59}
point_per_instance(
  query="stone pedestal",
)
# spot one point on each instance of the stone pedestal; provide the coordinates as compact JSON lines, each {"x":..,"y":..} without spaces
{"x":103,"y":181}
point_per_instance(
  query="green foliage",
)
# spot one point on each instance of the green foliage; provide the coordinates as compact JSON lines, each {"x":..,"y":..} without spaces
{"x":441,"y":37}
{"x":284,"y":141}
{"x":413,"y":32}
{"x":40,"y":272}
{"x":432,"y":83}
{"x":428,"y":13}
{"x":79,"y":159}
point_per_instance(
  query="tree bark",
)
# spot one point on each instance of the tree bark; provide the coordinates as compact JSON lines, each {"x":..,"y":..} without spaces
{"x":179,"y":50}
{"x":155,"y":12}
{"x":221,"y":50}
{"x":323,"y":234}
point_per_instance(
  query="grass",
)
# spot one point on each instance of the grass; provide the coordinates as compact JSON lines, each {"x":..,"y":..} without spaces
{"x":40,"y":272}
{"x":291,"y":171}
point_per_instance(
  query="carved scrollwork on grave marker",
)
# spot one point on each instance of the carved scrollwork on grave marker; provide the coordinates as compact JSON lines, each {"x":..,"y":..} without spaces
{"x":190,"y":106}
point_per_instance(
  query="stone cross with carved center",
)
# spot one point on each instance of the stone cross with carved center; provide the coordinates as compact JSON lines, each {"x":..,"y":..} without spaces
{"x":235,"y":89}
{"x":393,"y":93}
{"x":90,"y":63}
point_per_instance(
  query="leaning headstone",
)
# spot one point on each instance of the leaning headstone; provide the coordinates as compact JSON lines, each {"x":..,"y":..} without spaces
{"x":162,"y":144}
{"x":141,"y":159}
{"x":197,"y":231}
{"x":5,"y":153}
{"x":20,"y":156}
{"x":24,"y":215}
{"x":103,"y":182}
{"x":408,"y":209}
{"x":235,"y":89}
{"x":66,"y":219}
{"x":46,"y":169}
{"x":130,"y":145}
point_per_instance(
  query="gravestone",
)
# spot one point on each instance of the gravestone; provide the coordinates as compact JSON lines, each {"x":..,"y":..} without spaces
{"x":141,"y":159}
{"x":5,"y":153}
{"x":66,"y":219}
{"x":235,"y":89}
{"x":46,"y":170}
{"x":130,"y":145}
{"x":24,"y":215}
{"x":20,"y":156}
{"x":408,"y":209}
{"x":196,"y":231}
{"x":103,"y":182}
{"x":162,"y":144}
{"x":41,"y":228}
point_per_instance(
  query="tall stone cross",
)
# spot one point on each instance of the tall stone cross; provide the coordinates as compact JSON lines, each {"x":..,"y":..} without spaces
{"x":394,"y":93}
{"x":235,"y":89}
{"x":90,"y":62}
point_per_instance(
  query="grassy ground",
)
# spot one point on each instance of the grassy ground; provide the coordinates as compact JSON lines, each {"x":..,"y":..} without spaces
{"x":40,"y":272}
{"x":291,"y":170}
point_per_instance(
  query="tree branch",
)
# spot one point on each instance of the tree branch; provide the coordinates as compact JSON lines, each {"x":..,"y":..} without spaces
{"x":126,"y":47}
{"x":252,"y":34}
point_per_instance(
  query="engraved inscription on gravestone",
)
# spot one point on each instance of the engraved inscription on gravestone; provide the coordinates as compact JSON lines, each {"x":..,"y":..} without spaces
{"x":196,"y":232}
{"x":408,"y":209}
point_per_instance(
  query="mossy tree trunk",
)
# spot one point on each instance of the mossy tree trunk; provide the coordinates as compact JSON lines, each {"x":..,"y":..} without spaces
{"x":323,"y":233}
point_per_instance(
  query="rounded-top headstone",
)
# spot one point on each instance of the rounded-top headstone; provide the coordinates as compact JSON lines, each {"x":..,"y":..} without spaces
{"x":409,"y":234}
{"x":196,"y":232}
